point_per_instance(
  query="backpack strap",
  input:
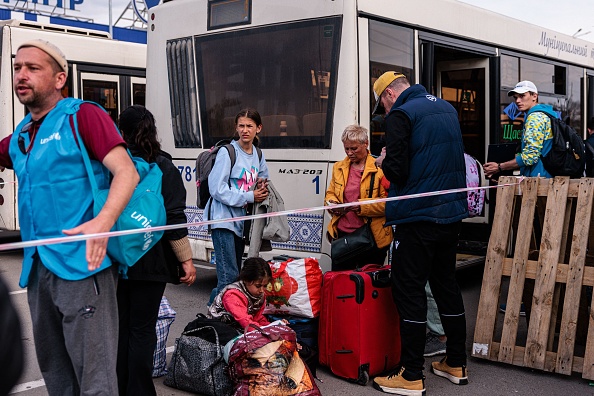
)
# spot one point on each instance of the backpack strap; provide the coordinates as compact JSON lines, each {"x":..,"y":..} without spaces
{"x":231,"y":151}
{"x":259,"y":152}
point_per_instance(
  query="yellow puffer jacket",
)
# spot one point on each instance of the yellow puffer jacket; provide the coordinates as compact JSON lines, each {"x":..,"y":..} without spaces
{"x":376,"y":211}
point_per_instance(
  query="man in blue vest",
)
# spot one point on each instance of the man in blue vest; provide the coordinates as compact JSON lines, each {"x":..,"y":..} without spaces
{"x":71,"y":286}
{"x":424,"y":153}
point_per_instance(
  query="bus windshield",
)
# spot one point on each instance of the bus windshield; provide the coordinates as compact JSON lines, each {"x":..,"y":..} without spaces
{"x":287,"y":72}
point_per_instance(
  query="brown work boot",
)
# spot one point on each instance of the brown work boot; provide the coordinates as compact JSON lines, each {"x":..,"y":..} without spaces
{"x":456,"y":375}
{"x":395,"y":383}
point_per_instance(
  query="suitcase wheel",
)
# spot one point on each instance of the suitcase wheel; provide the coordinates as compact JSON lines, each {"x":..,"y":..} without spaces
{"x":363,"y":375}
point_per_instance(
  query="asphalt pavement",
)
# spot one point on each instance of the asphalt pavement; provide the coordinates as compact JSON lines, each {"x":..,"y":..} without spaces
{"x":485,"y":377}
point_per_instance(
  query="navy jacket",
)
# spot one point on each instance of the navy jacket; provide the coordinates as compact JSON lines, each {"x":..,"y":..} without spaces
{"x":433,"y":157}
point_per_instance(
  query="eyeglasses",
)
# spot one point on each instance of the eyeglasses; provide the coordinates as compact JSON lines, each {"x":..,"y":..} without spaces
{"x":21,"y":140}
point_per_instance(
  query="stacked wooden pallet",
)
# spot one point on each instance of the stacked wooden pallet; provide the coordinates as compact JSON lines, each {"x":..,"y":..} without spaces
{"x":538,"y":245}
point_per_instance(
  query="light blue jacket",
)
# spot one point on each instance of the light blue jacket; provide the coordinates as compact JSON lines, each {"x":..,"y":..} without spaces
{"x":231,"y":194}
{"x":55,"y":193}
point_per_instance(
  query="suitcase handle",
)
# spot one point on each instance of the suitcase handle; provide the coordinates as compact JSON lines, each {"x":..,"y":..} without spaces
{"x":368,"y":267}
{"x":379,"y":279}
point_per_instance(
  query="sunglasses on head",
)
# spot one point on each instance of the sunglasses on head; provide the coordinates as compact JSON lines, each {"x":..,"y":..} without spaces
{"x":21,"y":140}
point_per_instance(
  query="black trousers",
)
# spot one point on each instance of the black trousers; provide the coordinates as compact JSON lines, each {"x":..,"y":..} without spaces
{"x":138,"y":308}
{"x":424,"y":252}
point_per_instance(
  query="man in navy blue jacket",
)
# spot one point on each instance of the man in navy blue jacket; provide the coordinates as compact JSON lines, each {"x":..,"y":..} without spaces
{"x":424,"y":153}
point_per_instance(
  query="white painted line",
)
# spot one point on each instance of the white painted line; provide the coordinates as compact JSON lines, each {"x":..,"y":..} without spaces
{"x":27,"y":386}
{"x":208,"y":267}
{"x":39,"y":383}
{"x":18,"y":292}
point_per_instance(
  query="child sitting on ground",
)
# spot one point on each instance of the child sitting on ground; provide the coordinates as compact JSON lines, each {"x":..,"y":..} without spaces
{"x":242,"y":302}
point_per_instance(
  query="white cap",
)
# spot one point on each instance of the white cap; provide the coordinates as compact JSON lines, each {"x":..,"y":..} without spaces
{"x":49,"y":49}
{"x":523,"y":87}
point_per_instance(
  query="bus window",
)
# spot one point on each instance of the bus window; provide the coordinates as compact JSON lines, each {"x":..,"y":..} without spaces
{"x":138,"y":93}
{"x":290,"y":84}
{"x":103,"y":92}
{"x":574,"y":96}
{"x":182,"y":92}
{"x":390,"y":48}
{"x":465,"y":90}
{"x":540,"y":74}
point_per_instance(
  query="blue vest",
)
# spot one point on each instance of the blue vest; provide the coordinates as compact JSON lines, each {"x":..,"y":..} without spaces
{"x":537,"y":169}
{"x":55,"y":193}
{"x":436,"y":157}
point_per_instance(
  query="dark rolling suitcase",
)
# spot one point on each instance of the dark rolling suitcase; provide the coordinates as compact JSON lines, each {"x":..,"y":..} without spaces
{"x":359,"y":333}
{"x":306,"y":330}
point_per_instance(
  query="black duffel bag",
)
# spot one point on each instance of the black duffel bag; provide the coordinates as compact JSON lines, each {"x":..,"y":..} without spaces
{"x":198,"y":365}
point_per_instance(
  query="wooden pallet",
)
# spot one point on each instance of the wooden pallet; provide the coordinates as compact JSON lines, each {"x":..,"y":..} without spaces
{"x":552,"y":259}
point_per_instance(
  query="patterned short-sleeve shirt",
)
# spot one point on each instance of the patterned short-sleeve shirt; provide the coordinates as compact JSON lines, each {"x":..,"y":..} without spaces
{"x":537,"y":129}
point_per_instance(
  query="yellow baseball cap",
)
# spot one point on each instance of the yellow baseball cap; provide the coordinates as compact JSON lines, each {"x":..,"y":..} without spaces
{"x":380,"y":85}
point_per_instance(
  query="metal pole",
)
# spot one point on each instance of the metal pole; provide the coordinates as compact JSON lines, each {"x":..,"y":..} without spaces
{"x":110,"y":21}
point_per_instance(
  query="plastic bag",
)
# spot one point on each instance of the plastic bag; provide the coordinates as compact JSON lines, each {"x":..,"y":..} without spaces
{"x":295,"y":288}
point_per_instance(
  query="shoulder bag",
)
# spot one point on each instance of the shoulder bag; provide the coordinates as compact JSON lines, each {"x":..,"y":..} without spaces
{"x":357,"y":242}
{"x":144,"y":210}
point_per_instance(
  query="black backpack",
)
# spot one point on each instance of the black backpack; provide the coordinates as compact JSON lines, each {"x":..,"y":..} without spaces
{"x":568,"y":154}
{"x":204,"y":164}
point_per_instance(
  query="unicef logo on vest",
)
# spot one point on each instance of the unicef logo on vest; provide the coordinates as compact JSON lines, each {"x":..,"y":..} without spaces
{"x":431,"y":98}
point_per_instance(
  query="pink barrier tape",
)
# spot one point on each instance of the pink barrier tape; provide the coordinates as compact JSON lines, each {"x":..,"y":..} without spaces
{"x":84,"y":237}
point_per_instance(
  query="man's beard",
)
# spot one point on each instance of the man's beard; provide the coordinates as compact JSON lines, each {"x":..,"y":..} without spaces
{"x":31,"y":100}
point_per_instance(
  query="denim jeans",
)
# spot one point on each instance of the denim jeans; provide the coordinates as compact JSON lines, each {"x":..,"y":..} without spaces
{"x":228,"y":253}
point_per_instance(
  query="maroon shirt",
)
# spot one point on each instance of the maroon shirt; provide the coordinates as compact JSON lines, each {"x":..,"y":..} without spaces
{"x":95,"y":127}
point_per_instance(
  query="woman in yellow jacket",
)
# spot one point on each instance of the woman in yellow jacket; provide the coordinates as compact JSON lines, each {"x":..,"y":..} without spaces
{"x":351,"y":181}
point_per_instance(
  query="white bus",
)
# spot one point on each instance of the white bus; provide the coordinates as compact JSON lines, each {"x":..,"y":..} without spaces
{"x":308,"y":67}
{"x":106,"y":71}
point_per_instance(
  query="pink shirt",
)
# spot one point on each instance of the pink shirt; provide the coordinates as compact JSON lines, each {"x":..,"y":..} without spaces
{"x":350,"y":221}
{"x":236,"y":303}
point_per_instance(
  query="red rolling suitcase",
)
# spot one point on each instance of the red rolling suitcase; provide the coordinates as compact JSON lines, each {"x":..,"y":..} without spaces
{"x":359,"y":333}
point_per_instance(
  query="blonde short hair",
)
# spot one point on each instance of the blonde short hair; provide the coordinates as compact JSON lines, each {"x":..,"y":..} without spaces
{"x":355,"y":133}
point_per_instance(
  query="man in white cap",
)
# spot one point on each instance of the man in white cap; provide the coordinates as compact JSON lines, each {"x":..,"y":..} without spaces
{"x":424,"y":153}
{"x":537,"y":137}
{"x":71,"y":286}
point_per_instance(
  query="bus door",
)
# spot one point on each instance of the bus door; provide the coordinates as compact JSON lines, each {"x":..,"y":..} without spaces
{"x":114,"y":92}
{"x":464,"y":85}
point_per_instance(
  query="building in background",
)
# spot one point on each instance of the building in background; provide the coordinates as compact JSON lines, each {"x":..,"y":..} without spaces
{"x":130,"y":24}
